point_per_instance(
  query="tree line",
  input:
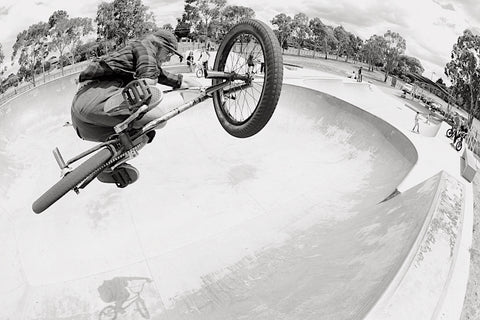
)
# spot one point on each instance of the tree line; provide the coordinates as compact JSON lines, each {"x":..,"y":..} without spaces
{"x":118,"y":21}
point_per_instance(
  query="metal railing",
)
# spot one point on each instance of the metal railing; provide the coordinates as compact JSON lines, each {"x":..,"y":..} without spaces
{"x":40,"y":80}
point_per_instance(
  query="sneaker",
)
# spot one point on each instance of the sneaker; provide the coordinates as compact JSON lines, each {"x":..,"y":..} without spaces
{"x":122,"y":176}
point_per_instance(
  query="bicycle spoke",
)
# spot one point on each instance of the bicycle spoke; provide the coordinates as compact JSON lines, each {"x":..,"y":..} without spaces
{"x":242,"y":103}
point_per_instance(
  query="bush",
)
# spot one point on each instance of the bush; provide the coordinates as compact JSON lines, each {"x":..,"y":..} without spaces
{"x":63,"y":61}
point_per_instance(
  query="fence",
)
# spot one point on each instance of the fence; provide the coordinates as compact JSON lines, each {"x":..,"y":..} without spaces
{"x":41,"y":79}
{"x":473,"y":138}
{"x":186,"y":46}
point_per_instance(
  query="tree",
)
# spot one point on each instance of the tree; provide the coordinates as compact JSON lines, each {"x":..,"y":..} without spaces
{"x":464,"y":72}
{"x":85,"y":51}
{"x":300,"y":29}
{"x":122,"y":20}
{"x":395,"y":46}
{"x":56,"y":15}
{"x":407,"y":64}
{"x":318,"y":32}
{"x":168,"y":27}
{"x":231,"y":15}
{"x":2,"y":57}
{"x":373,"y":51}
{"x":66,"y":32}
{"x":182,"y":30}
{"x":343,"y":40}
{"x":209,"y":11}
{"x":283,"y":24}
{"x":355,"y":45}
{"x":105,"y":23}
{"x":12,"y":80}
{"x":79,"y":27}
{"x":330,"y":42}
{"x":189,"y":22}
{"x":31,"y":44}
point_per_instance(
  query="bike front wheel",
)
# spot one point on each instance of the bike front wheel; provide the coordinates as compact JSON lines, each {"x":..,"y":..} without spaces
{"x":250,"y":49}
{"x":71,"y":180}
{"x":459,"y":145}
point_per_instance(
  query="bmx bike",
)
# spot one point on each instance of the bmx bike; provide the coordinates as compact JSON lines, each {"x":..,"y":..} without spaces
{"x":110,"y":312}
{"x":458,"y":135}
{"x":451,"y":132}
{"x":459,"y":144}
{"x":243,"y":105}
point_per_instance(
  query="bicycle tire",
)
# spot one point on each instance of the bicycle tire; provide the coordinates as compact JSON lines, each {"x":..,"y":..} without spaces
{"x":272,"y":85}
{"x":449,"y":133}
{"x":108,"y":313}
{"x":142,"y":308}
{"x":72,"y":179}
{"x":458,"y":145}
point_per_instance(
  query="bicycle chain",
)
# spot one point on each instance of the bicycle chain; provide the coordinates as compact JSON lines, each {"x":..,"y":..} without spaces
{"x":128,"y":154}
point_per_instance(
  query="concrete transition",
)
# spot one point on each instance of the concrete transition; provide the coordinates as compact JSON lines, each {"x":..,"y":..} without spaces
{"x":293,"y":223}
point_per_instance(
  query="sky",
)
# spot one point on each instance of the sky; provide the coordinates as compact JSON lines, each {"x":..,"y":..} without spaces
{"x":430,"y":27}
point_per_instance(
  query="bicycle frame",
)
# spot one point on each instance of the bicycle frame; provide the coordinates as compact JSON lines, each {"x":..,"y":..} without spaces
{"x":135,"y":295}
{"x":124,"y":144}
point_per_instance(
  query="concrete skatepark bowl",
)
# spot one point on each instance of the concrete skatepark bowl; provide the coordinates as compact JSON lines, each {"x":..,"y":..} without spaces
{"x":289,"y":224}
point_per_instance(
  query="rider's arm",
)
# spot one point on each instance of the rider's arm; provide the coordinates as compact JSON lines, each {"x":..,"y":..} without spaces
{"x":170,"y":79}
{"x":144,"y":54}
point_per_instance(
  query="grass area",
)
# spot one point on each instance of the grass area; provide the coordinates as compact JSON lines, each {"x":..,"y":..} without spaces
{"x":338,"y":67}
{"x":471,"y":307}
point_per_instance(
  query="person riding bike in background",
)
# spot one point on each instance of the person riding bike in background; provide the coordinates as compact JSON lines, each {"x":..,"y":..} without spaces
{"x":203,"y":58}
{"x":190,"y":61}
{"x":460,"y":132}
{"x":102,"y":82}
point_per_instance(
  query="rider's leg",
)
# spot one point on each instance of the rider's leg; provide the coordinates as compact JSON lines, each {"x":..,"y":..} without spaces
{"x":92,"y":123}
{"x":170,"y":101}
{"x":205,"y":68}
{"x":123,"y":175}
{"x":88,"y":116}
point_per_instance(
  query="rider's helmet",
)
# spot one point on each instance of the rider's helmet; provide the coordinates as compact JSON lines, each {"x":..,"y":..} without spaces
{"x":166,"y":39}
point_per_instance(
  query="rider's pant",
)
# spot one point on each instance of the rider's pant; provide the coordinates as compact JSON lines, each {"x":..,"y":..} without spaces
{"x":88,"y":116}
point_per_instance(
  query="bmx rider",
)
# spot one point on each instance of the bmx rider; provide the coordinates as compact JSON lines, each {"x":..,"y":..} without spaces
{"x":102,"y":82}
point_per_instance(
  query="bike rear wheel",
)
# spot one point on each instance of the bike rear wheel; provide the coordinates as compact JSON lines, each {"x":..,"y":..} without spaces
{"x":459,"y":145}
{"x":250,"y":48}
{"x":199,"y":73}
{"x":71,"y":180}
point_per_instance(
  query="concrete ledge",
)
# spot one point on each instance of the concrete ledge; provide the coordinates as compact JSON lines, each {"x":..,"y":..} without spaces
{"x":421,"y":285}
{"x":468,"y":165}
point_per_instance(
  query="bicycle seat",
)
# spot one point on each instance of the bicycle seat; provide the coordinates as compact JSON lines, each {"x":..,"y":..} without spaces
{"x":132,"y":97}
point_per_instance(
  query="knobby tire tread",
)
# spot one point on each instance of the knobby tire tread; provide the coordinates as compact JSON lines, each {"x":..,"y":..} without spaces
{"x":71,"y":180}
{"x":273,"y":79}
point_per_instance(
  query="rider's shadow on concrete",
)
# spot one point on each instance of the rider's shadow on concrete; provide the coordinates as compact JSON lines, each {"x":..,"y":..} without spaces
{"x":120,"y":293}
